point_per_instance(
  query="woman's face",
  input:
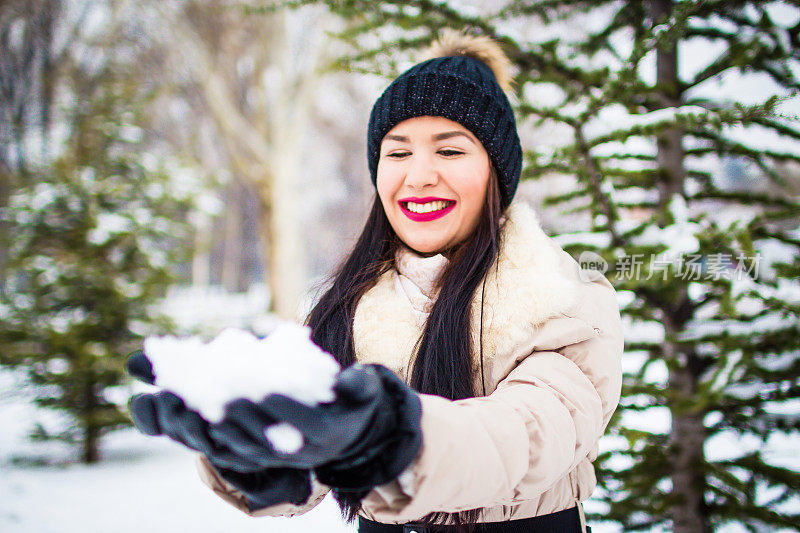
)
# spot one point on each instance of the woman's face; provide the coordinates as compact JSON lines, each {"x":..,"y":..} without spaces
{"x":432,"y":179}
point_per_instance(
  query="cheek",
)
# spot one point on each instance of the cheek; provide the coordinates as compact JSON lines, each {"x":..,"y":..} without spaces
{"x":385,"y":186}
{"x":473,"y":191}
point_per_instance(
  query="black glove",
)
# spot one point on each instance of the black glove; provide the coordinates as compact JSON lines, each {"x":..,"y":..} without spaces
{"x":270,"y":486}
{"x":383,"y":452}
{"x":365,"y":438}
{"x":164,"y":413}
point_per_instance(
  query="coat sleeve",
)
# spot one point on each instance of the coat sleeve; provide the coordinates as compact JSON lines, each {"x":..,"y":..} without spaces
{"x":212,"y":478}
{"x":545,"y":417}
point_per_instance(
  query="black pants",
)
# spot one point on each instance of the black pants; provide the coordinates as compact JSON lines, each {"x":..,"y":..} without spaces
{"x":566,"y":521}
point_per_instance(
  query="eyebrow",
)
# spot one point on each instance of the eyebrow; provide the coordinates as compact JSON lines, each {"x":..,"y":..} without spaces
{"x":436,"y":137}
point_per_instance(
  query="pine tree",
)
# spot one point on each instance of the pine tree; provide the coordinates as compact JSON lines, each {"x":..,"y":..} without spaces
{"x":92,"y":241}
{"x":650,"y":97}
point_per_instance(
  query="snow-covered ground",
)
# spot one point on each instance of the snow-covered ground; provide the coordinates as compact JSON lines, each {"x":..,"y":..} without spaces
{"x":150,"y":484}
{"x":142,"y":483}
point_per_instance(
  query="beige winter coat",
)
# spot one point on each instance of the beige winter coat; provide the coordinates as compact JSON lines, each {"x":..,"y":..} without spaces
{"x":552,"y":344}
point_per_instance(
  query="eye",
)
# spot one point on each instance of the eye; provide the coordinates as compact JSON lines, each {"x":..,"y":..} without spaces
{"x":398,"y":155}
{"x":449,"y":153}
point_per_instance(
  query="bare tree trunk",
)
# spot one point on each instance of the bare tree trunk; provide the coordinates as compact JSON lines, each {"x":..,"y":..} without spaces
{"x":289,"y":121}
{"x":47,"y":81}
{"x":263,"y":131}
{"x":91,"y":446}
{"x":686,"y":441}
{"x":232,"y":245}
{"x":201,"y":253}
{"x":91,"y":434}
{"x":284,"y":255}
{"x":670,"y":155}
{"x":688,"y":432}
{"x":26,"y":41}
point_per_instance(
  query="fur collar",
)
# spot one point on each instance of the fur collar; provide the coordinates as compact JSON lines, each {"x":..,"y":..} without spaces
{"x":526,"y":289}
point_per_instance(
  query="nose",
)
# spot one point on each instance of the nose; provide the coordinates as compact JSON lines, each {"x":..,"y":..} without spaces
{"x":421,"y":172}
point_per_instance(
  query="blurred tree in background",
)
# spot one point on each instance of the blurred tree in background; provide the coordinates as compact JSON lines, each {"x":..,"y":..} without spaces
{"x":250,"y":80}
{"x":119,"y":123}
{"x":26,"y":94}
{"x":93,"y":222}
{"x":244,"y":98}
{"x":656,"y":102}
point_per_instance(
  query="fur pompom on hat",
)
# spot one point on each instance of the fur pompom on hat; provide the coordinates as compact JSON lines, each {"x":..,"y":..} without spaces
{"x":480,"y":47}
{"x":462,"y":78}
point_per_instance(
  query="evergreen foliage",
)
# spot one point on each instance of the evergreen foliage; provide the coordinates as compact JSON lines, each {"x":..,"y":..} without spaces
{"x":650,"y":97}
{"x":92,"y":239}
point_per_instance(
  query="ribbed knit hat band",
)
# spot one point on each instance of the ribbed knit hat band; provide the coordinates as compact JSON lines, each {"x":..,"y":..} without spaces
{"x":464,"y":90}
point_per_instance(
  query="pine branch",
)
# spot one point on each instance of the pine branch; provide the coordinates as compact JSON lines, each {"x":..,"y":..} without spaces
{"x":546,"y":10}
{"x":745,"y":198}
{"x":779,"y":127}
{"x":596,"y":184}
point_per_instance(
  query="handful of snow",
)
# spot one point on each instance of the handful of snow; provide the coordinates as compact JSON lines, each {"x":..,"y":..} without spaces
{"x":236,"y":364}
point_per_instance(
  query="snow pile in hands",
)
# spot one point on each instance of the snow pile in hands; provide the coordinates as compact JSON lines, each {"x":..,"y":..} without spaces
{"x":236,"y":364}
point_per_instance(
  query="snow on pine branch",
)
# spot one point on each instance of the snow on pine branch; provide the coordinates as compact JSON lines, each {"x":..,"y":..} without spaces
{"x":679,"y":238}
{"x":769,"y":322}
{"x":614,"y":123}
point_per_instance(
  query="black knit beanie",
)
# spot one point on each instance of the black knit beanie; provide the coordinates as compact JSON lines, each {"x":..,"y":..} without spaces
{"x":461,"y":86}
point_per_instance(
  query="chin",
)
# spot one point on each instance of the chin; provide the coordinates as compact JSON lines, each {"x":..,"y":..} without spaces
{"x":425,"y":247}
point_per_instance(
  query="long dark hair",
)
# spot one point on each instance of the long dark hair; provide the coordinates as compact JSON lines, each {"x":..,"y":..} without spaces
{"x":444,"y":361}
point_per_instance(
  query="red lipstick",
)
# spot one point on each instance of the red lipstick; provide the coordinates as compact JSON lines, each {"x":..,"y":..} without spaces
{"x":426,"y":217}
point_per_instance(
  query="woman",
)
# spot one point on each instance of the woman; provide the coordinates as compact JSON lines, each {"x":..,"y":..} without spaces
{"x":489,"y":361}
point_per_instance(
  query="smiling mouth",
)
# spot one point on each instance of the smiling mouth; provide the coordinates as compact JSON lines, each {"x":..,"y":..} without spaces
{"x":427,"y":207}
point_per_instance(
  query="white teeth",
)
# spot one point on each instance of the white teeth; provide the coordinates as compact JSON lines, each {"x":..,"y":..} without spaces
{"x":426,"y":207}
